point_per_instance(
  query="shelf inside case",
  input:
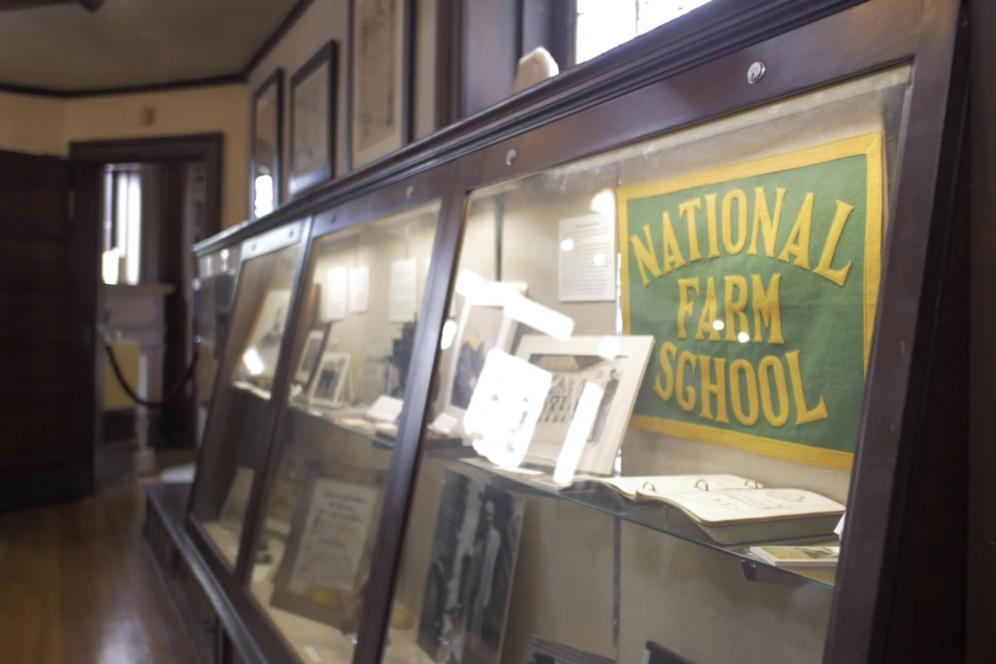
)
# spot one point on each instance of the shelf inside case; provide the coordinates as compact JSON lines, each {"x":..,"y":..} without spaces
{"x":657,"y":517}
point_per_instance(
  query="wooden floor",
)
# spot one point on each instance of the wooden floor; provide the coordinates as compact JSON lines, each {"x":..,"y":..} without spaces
{"x":78,"y":584}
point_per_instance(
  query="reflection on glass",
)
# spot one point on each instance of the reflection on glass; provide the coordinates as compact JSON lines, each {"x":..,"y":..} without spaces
{"x":349,"y":368}
{"x":651,"y":373}
{"x":236,"y":432}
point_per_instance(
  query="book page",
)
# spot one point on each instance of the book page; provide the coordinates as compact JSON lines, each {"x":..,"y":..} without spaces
{"x":734,"y":505}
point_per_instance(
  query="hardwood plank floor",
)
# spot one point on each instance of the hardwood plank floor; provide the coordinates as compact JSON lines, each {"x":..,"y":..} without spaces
{"x":78,"y":584}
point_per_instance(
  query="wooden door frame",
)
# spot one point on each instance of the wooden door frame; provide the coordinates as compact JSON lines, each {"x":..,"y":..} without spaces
{"x":207,"y":148}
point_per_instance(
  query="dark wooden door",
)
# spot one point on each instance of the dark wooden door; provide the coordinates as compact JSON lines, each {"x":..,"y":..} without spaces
{"x":49,"y":217}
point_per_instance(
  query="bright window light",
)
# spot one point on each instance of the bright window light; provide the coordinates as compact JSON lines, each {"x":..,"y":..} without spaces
{"x":263,"y":195}
{"x":602,"y":25}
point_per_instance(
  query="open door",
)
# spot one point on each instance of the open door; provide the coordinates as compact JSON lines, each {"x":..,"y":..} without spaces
{"x":49,"y":216}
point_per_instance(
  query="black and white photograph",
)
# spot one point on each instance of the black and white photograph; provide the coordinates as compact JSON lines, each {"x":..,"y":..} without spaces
{"x":482,"y":326}
{"x":468,"y":586}
{"x":480,"y":334}
{"x":314,"y":346}
{"x":259,"y":360}
{"x":541,"y":651}
{"x":615,"y":364}
{"x":331,"y":378}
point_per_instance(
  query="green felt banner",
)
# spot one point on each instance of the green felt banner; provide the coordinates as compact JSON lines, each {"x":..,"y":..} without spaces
{"x":758,"y":282}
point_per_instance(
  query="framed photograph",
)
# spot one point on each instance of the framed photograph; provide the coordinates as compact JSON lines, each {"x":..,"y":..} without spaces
{"x":328,"y":386}
{"x":314,"y":346}
{"x":327,"y":559}
{"x":259,"y":360}
{"x":482,"y":327}
{"x":541,"y":651}
{"x":380,"y":93}
{"x":469,"y":583}
{"x":313,"y":92}
{"x":267,"y":145}
{"x":615,"y":364}
{"x":505,"y":408}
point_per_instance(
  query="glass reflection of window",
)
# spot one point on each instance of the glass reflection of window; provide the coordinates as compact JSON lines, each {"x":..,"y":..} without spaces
{"x":602,"y":25}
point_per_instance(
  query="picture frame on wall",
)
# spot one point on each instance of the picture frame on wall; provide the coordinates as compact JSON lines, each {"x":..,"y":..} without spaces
{"x":266,"y":171}
{"x":380,"y":78}
{"x":312,"y":126}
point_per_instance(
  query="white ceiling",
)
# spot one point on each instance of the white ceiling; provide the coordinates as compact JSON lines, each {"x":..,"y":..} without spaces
{"x":133,"y":42}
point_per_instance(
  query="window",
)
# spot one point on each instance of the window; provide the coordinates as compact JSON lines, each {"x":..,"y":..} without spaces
{"x":122,"y":224}
{"x":602,"y":25}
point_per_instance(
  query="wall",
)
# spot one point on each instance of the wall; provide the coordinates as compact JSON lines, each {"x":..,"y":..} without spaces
{"x":44,"y":125}
{"x":31,"y":124}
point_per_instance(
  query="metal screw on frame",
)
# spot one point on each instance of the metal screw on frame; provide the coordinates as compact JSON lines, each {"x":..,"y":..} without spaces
{"x":755,"y":72}
{"x":510,"y":157}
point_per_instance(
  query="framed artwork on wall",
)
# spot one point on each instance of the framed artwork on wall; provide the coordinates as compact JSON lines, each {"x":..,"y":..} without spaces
{"x":312,"y":145}
{"x":380,"y":90}
{"x":267,"y":145}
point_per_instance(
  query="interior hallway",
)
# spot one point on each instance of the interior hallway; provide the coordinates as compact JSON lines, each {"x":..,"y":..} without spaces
{"x":81,"y":586}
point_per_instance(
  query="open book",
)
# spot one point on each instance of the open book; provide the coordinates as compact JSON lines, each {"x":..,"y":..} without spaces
{"x":722,"y":499}
{"x":728,"y":508}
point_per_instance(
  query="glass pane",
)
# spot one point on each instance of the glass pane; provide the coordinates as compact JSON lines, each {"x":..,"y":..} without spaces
{"x":350,"y":363}
{"x":213,"y":290}
{"x":654,"y":363}
{"x":239,"y":421}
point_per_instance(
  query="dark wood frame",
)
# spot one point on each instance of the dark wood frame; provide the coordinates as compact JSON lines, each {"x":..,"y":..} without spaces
{"x":274,"y":79}
{"x":300,"y":182}
{"x":696,"y":68}
{"x":407,"y":57}
{"x":981,"y":605}
{"x":208,"y":148}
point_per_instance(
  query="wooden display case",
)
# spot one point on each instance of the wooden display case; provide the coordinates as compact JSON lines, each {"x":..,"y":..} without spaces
{"x":721,"y":96}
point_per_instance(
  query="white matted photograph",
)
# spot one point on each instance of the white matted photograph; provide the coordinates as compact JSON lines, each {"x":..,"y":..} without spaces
{"x":482,"y":327}
{"x":314,"y":346}
{"x":615,"y":364}
{"x":506,"y":405}
{"x":329,"y":384}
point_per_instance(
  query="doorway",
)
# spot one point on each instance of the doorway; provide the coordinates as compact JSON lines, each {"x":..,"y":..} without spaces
{"x":159,"y":196}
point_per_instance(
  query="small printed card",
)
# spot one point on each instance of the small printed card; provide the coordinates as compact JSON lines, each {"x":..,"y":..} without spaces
{"x":797,"y":556}
{"x":386,"y":409}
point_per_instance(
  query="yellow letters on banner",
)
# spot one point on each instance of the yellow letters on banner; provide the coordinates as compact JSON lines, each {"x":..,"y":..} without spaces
{"x":734,"y":235}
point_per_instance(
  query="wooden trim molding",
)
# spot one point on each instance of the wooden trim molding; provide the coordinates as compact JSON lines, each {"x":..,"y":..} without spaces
{"x":195,"y":147}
